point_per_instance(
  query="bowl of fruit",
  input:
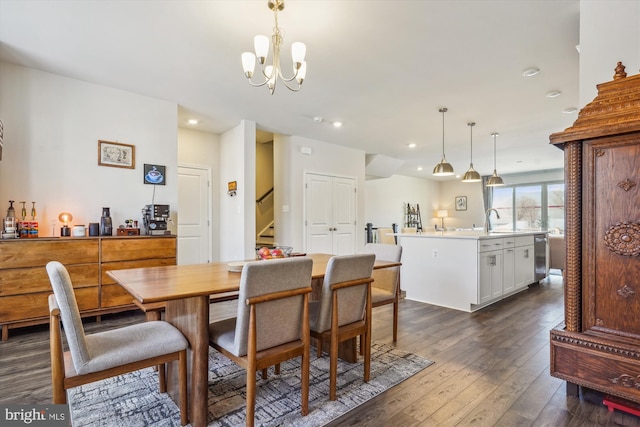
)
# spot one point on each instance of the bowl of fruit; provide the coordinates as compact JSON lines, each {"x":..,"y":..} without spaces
{"x":270,"y":253}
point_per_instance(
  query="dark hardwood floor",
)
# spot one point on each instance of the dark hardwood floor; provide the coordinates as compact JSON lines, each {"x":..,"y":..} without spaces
{"x":492,"y":366}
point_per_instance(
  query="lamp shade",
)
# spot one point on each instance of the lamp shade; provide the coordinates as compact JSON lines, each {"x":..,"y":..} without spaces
{"x":442,"y":213}
{"x":471,"y":175}
{"x":443,"y":168}
{"x":495,"y":180}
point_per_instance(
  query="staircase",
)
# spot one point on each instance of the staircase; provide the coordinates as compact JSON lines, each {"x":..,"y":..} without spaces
{"x":266,"y":236}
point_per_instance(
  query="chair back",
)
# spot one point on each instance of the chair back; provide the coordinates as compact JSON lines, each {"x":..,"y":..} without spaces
{"x":351,"y":301}
{"x":70,"y":314}
{"x":385,"y":278}
{"x":384,"y":235}
{"x":278,"y":321}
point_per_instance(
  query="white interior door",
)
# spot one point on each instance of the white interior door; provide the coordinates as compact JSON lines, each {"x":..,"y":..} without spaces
{"x":319,"y":214}
{"x":344,"y":216}
{"x":330,"y":214}
{"x":194,"y":231}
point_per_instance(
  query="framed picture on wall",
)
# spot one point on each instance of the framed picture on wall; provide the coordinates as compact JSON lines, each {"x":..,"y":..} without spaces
{"x":154,"y":174}
{"x":116,"y":155}
{"x":461,"y":203}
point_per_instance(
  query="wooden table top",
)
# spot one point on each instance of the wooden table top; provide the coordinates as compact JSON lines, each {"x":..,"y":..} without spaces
{"x":155,"y":284}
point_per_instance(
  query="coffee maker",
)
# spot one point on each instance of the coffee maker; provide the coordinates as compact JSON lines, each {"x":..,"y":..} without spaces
{"x":155,"y":218}
{"x":106,"y":226}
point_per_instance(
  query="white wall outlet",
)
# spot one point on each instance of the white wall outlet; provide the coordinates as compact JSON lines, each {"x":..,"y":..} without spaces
{"x":435,"y":253}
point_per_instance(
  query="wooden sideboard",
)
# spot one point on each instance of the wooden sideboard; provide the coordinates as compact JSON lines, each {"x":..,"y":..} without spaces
{"x":24,"y":283}
{"x":598,"y":345}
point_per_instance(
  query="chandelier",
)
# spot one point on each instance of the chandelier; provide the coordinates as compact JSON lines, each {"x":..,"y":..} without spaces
{"x":494,"y":180}
{"x":272,"y":72}
{"x":443,"y":168}
{"x":471,"y":175}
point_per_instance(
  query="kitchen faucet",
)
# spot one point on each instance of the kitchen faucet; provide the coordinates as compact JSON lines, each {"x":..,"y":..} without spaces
{"x":486,"y":220}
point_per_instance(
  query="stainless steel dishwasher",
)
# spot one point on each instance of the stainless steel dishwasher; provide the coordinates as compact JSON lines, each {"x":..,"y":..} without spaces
{"x":540,"y":256}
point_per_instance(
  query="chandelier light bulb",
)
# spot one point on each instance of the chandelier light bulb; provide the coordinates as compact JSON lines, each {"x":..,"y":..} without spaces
{"x":248,"y":64}
{"x":261,"y":45}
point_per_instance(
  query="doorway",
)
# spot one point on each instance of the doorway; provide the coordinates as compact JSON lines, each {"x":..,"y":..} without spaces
{"x":330,"y":214}
{"x":194,"y":216}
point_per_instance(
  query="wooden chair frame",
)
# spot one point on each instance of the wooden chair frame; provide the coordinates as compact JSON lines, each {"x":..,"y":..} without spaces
{"x":64,"y":376}
{"x":338,"y":334}
{"x":256,"y":361}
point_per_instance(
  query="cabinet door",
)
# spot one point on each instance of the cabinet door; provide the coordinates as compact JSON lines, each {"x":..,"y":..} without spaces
{"x":611,"y":275}
{"x":508,"y":272}
{"x":490,"y":276}
{"x":524,"y":266}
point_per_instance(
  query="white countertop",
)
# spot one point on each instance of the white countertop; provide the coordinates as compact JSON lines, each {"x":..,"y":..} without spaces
{"x":471,"y":234}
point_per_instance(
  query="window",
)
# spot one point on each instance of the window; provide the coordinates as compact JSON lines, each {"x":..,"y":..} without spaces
{"x":529,"y":207}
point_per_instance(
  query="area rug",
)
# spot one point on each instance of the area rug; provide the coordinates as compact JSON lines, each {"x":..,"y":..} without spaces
{"x":134,"y":399}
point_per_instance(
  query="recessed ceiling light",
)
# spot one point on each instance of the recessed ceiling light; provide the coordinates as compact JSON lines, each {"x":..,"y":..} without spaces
{"x":412,"y":145}
{"x":337,"y":124}
{"x":193,"y":121}
{"x":553,"y":94}
{"x":419,"y":168}
{"x":570,"y":110}
{"x":530,"y":72}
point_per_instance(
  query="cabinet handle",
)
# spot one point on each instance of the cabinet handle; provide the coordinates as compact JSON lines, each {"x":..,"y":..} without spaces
{"x":492,"y":260}
{"x":526,"y":253}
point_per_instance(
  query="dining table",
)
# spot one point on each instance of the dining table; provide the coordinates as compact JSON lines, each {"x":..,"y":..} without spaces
{"x":186,"y":291}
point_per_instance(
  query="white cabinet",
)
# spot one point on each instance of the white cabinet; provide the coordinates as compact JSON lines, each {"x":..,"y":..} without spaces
{"x":508,"y":271}
{"x":490,"y":270}
{"x":524,"y":268}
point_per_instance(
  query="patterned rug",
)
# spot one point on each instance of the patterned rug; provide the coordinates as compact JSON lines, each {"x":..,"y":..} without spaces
{"x":134,"y":399}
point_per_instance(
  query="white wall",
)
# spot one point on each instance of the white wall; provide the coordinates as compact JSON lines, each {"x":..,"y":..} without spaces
{"x":386,"y":200}
{"x":202,"y":149}
{"x":289,"y":168}
{"x":474,"y":214}
{"x":52,"y":125}
{"x":609,"y":32}
{"x":238,"y":213}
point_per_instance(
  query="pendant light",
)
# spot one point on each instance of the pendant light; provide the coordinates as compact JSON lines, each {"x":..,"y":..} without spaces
{"x":471,"y":175}
{"x":494,"y":180}
{"x":443,"y":168}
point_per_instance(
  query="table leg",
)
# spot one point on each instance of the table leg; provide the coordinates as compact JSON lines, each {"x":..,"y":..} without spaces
{"x":191,"y":317}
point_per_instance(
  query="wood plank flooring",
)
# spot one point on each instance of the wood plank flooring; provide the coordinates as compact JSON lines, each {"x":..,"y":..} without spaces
{"x":492,"y":366}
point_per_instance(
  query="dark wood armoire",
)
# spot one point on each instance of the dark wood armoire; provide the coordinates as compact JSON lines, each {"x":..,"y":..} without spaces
{"x":598,"y":344}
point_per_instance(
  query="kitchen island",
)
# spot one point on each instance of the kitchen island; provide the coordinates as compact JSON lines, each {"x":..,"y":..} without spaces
{"x":466,"y":270}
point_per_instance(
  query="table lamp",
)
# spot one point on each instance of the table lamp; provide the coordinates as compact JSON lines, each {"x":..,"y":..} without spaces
{"x":65,"y":218}
{"x":442,"y":214}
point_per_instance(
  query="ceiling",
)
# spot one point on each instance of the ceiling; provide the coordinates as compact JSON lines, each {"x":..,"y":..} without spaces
{"x":383,"y":68}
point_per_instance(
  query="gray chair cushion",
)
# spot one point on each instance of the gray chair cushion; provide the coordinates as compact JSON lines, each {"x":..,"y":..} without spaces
{"x":385,"y":280}
{"x":351,"y":301}
{"x":278,"y":321}
{"x":104,"y":350}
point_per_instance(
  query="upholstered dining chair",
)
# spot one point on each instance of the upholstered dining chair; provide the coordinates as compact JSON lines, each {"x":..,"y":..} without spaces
{"x":343,"y":311}
{"x":101,"y":355}
{"x":384,"y":235}
{"x":272,"y":324}
{"x":385,"y":288}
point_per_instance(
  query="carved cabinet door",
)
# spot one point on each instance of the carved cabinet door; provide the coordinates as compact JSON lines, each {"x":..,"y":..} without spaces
{"x":611,"y":235}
